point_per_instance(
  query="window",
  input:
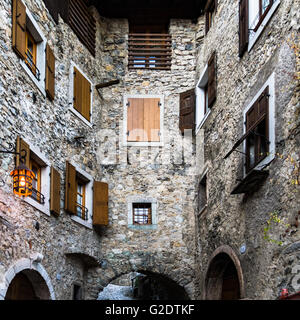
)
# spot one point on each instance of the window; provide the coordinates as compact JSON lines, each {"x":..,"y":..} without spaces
{"x":38,"y":163}
{"x":143,"y":117}
{"x":80,"y":94}
{"x":257,"y":141}
{"x":142,"y":213}
{"x":205,"y":92}
{"x":210,"y":11}
{"x":202,"y":195}
{"x":31,"y":46}
{"x":254,"y":16}
{"x":86,"y":200}
{"x":149,"y":46}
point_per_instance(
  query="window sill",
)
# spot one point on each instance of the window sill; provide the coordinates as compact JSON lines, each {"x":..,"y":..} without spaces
{"x":81,"y":117}
{"x":143,"y":227}
{"x":39,"y":84}
{"x":82,"y":222}
{"x":41,"y":207}
{"x":143,"y":144}
{"x":262,"y":25}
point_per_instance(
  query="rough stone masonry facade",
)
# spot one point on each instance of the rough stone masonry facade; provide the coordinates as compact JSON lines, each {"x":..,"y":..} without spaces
{"x":164,"y":175}
{"x":234,"y":224}
{"x":67,"y":247}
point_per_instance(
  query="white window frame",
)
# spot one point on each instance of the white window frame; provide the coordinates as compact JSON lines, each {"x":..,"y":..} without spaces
{"x":253,"y":39}
{"x":71,"y":94}
{"x":271,"y":83}
{"x":88,"y":199}
{"x":144,"y":143}
{"x":200,"y":100}
{"x":45,"y":177}
{"x":37,"y":34}
{"x":154,"y":217}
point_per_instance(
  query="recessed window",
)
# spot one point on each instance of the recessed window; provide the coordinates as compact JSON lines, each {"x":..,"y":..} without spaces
{"x":31,"y":48}
{"x":258,"y":9}
{"x":37,"y":182}
{"x":77,"y":292}
{"x":202,"y":195}
{"x":81,"y":210}
{"x":142,"y":213}
{"x":210,"y":14}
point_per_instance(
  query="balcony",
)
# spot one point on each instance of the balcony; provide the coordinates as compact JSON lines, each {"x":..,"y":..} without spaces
{"x":149,"y":51}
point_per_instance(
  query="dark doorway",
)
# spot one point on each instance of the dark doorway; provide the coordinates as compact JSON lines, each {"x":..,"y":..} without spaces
{"x":230,"y":287}
{"x":20,"y":289}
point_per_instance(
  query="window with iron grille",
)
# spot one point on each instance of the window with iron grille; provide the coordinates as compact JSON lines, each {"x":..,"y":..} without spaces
{"x":81,"y":210}
{"x":142,"y":213}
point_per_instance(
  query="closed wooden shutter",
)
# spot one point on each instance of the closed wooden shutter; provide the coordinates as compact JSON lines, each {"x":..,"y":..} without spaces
{"x":50,"y":73}
{"x":70,"y":189}
{"x":82,"y":94}
{"x":243,"y":27}
{"x":22,"y":145}
{"x":152,"y":119}
{"x":55,"y":192}
{"x":187,"y":110}
{"x":19,"y":28}
{"x":212,"y":81}
{"x":100,"y":204}
{"x":135,"y":120}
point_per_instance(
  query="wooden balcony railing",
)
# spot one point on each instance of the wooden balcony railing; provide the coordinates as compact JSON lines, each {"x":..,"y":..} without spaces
{"x":149,"y":51}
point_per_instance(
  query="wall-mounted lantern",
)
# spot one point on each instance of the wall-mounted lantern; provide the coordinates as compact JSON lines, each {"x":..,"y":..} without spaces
{"x":22,"y":176}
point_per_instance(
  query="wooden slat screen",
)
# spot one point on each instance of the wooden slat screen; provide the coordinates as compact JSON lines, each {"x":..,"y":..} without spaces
{"x":149,"y":51}
{"x":82,"y":23}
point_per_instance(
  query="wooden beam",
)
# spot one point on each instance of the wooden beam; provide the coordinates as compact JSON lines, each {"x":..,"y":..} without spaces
{"x":107,"y":84}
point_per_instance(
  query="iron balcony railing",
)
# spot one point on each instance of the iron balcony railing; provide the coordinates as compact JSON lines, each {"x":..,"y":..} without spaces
{"x":38,"y":196}
{"x":81,"y":211}
{"x":31,"y":65}
{"x":149,"y":51}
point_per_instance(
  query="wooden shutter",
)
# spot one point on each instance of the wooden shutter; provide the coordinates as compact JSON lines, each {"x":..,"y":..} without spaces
{"x":152,"y":119}
{"x":100,"y":204}
{"x":135,"y":120}
{"x":19,"y":28}
{"x":187,"y":110}
{"x":22,"y":145}
{"x":243,"y":26}
{"x":212,"y":82}
{"x":50,"y":73}
{"x":82,"y":94}
{"x":70,"y":191}
{"x":55,"y":192}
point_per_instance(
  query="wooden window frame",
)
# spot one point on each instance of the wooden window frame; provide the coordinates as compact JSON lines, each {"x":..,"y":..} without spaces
{"x":144,"y":205}
{"x":82,"y":206}
{"x":32,"y":67}
{"x":262,"y":15}
{"x":210,"y":12}
{"x":38,"y":179}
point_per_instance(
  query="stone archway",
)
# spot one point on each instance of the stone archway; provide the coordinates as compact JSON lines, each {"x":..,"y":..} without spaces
{"x":26,"y":280}
{"x":224,"y":277}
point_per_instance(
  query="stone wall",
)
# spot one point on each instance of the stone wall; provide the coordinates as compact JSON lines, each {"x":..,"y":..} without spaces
{"x":236,"y":220}
{"x":68,"y":247}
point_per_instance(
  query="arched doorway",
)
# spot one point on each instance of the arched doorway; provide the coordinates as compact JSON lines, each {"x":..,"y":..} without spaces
{"x":224,"y":280}
{"x":28,"y":284}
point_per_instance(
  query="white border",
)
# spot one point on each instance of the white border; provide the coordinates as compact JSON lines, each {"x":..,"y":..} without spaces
{"x":40,"y":56}
{"x":271,"y":83}
{"x":125,"y":108}
{"x":263,"y":24}
{"x":88,"y":199}
{"x":45,"y":177}
{"x":200,"y":96}
{"x":71,"y":94}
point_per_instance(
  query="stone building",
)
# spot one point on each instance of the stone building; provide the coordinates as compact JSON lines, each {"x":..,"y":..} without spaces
{"x":130,"y":118}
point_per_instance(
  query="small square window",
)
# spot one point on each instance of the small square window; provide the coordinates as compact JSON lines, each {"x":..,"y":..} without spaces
{"x":77,"y":292}
{"x":142,"y":213}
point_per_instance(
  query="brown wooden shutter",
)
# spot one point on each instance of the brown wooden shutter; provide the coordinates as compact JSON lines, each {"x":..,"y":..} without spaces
{"x":135,"y":120}
{"x":70,"y":191}
{"x":82,"y":94}
{"x":19,"y":28}
{"x":152,"y":119}
{"x":22,"y":145}
{"x":243,"y":26}
{"x":55,"y":192}
{"x":212,"y":81}
{"x":100,"y":204}
{"x":50,"y":73}
{"x":187,"y":110}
